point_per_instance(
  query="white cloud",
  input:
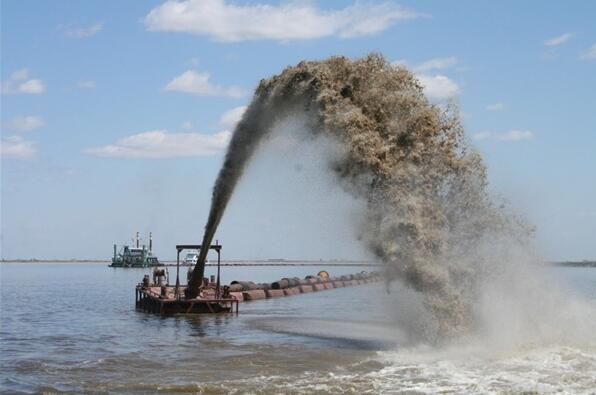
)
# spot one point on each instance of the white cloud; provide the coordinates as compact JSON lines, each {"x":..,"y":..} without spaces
{"x":162,"y":144}
{"x":87,"y":84}
{"x":563,"y":38}
{"x":438,"y":86}
{"x":436,"y":64}
{"x":19,"y":82}
{"x":510,"y":135}
{"x":198,"y":83}
{"x":288,"y":21}
{"x":187,"y":125}
{"x":495,"y":107}
{"x":27,"y":123}
{"x":83,"y":32}
{"x":590,"y":53}
{"x":232,"y":117}
{"x":435,"y":86}
{"x":32,"y":86}
{"x":17,"y":147}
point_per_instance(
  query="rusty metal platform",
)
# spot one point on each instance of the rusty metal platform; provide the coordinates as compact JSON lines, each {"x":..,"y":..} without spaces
{"x":166,"y":301}
{"x":159,"y":297}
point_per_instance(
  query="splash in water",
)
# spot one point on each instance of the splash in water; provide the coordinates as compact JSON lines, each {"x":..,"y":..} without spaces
{"x":428,"y":212}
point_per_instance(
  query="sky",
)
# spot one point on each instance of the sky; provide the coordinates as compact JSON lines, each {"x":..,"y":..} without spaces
{"x":115,"y":116}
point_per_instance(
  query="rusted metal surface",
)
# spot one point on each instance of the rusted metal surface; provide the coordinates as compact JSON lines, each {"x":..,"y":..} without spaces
{"x":254,"y":294}
{"x":244,"y":286}
{"x":238,"y":296}
{"x":166,"y":299}
{"x":236,"y":288}
{"x":293,"y":282}
{"x":292,"y":291}
{"x":281,"y":284}
{"x":274,"y":293}
{"x":305,"y":288}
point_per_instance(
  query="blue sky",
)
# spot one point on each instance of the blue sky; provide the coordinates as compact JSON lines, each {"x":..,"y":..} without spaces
{"x":115,"y":116}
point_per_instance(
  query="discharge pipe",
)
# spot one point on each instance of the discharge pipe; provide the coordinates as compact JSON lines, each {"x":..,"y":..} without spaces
{"x":246,"y":137}
{"x":196,"y":278}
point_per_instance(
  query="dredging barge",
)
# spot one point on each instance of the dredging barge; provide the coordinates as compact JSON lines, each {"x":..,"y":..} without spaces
{"x":162,"y":298}
{"x":135,"y":256}
{"x":159,"y":297}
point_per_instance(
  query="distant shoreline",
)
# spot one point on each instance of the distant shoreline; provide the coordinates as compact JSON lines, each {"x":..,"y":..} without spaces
{"x":269,"y":262}
{"x":574,"y":263}
{"x":34,"y":260}
{"x":238,"y":262}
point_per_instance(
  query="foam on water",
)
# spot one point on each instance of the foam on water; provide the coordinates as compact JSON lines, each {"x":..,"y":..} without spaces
{"x":324,"y":342}
{"x":560,"y":370}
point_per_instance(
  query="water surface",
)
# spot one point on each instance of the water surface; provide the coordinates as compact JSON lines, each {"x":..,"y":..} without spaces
{"x":73,"y":328}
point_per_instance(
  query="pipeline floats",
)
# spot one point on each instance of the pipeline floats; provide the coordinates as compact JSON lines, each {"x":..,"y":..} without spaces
{"x":164,"y":299}
{"x":248,"y":290}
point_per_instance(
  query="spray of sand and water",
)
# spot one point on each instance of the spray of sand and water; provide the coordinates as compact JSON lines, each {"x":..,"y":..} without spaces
{"x":429,"y":217}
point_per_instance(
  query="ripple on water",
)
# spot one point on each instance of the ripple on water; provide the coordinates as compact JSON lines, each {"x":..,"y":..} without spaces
{"x":112,"y":348}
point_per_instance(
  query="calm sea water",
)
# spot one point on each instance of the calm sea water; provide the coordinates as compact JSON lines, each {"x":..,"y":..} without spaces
{"x":73,"y":328}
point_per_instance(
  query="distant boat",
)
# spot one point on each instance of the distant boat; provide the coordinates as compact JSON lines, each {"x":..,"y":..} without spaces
{"x":192,"y":259}
{"x":138,"y":256}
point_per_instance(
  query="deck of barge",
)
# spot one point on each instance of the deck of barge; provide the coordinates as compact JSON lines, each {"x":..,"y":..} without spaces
{"x":165,"y":301}
{"x":157,"y":298}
